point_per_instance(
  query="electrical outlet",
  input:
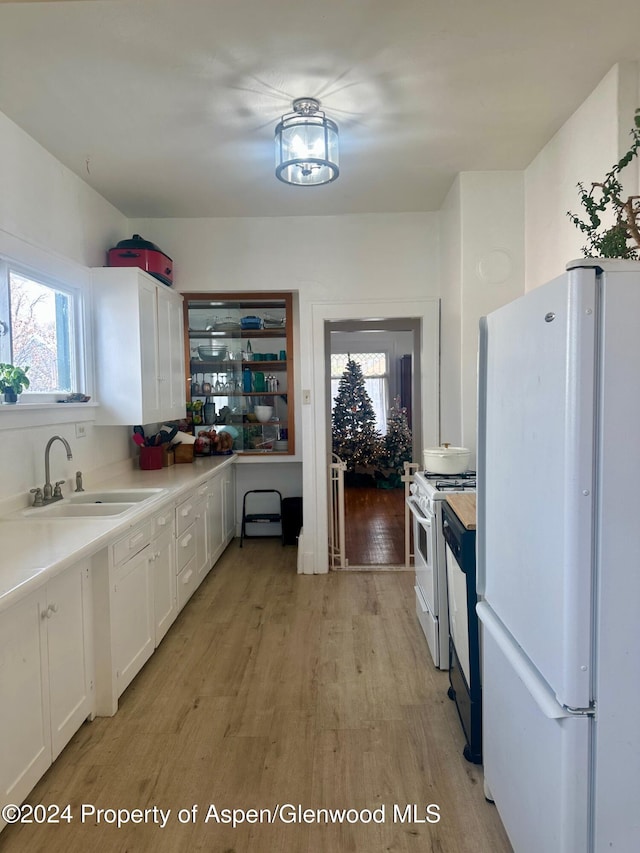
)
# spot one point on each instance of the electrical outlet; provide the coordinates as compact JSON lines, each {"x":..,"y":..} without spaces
{"x":81,"y":430}
{"x":306,"y":398}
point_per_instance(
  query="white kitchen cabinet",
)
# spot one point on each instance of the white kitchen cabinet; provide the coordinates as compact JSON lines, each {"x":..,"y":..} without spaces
{"x":203,"y":554}
{"x":215,"y":529}
{"x":134,"y":637}
{"x":163,"y":570}
{"x":229,"y":503}
{"x":139,"y":348}
{"x":25,"y":731}
{"x":123,"y":587}
{"x":45,"y":678}
{"x":191,"y":552}
{"x":171,"y":365}
{"x":70,"y":653}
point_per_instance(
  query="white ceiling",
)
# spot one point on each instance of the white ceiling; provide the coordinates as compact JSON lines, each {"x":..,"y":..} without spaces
{"x":167,"y":107}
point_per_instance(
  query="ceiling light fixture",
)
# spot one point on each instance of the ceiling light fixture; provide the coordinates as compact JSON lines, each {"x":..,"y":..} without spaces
{"x":306,"y":146}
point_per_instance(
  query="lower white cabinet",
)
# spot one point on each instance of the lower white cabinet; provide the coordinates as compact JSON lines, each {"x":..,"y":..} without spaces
{"x":45,"y":678}
{"x":203,"y":554}
{"x":215,"y":529}
{"x":229,"y":503}
{"x":134,"y":636}
{"x":189,"y":538}
{"x":163,"y":570}
{"x":124,"y":614}
{"x":70,"y":652}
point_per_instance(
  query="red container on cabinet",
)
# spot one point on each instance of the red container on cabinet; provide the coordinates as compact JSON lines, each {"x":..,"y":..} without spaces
{"x":137,"y":252}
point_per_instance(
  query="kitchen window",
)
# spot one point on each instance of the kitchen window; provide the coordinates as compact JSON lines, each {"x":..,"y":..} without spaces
{"x":40,"y":328}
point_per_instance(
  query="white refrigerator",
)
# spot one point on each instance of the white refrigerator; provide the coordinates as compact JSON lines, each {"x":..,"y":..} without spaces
{"x":558,"y":552}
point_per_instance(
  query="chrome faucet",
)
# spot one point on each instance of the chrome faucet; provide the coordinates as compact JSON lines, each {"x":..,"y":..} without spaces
{"x":49,"y":493}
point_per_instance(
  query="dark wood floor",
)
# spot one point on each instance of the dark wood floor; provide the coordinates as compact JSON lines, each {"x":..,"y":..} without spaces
{"x":374,"y":526}
{"x":274,"y":688}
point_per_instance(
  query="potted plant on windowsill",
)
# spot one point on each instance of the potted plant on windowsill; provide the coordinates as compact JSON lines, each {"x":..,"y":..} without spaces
{"x":13,"y":381}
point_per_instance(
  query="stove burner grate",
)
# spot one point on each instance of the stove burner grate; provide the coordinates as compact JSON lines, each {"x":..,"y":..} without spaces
{"x":465,"y":475}
{"x":455,"y":485}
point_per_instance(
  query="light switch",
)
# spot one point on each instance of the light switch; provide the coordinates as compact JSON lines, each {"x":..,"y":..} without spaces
{"x":306,"y":398}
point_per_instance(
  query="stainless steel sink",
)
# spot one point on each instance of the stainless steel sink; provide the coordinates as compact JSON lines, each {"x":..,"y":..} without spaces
{"x":109,"y":496}
{"x":67,"y":509}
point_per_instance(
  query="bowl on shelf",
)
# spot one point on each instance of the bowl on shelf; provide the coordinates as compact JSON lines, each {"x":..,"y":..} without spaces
{"x":269,"y":322}
{"x":209,"y":353}
{"x":263,"y":413}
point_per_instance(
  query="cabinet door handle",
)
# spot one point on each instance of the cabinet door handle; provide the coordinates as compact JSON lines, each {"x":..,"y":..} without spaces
{"x":187,"y":577}
{"x":162,"y":521}
{"x":186,"y":540}
{"x":186,"y":511}
{"x":52,"y":608}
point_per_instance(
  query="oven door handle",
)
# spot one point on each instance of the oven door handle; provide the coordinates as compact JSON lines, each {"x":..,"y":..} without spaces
{"x":424,"y":520}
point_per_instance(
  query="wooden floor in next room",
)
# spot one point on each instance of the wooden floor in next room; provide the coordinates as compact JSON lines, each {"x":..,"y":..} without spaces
{"x":374,"y":526}
{"x":274,"y":688}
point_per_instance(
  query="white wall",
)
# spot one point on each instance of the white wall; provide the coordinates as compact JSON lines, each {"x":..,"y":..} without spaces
{"x":492,"y":206}
{"x":451,"y":317}
{"x":44,"y":204}
{"x":53,"y":221}
{"x":482,"y":268}
{"x":585,"y":148}
{"x":323,"y":257}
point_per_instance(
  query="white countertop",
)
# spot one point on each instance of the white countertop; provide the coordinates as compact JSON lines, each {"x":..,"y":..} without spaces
{"x":33,"y":551}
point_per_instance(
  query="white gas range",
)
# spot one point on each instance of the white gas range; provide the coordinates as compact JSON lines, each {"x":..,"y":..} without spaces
{"x":427,"y":492}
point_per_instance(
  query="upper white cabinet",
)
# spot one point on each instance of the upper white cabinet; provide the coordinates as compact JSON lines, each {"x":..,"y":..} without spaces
{"x":139,"y":348}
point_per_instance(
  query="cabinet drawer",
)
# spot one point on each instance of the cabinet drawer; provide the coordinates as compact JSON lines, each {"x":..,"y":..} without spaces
{"x":162,"y":521}
{"x":185,"y":548}
{"x":130,"y":544}
{"x":187,"y":583}
{"x":185,"y":514}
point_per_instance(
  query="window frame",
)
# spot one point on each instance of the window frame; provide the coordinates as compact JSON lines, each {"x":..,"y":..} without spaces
{"x":382,"y":426}
{"x":78,"y":344}
{"x":37,"y":408}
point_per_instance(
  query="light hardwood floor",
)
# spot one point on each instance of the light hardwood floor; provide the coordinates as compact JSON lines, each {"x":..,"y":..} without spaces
{"x":274,"y":688}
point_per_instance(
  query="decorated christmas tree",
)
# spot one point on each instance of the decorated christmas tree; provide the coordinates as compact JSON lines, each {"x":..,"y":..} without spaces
{"x":354,"y":435}
{"x":397,"y":445}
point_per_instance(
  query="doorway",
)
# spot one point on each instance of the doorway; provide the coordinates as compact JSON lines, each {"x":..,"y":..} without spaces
{"x":315,"y":408}
{"x":387,"y":352}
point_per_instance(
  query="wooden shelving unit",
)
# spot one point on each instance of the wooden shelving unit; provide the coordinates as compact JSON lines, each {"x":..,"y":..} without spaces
{"x":219,"y":386}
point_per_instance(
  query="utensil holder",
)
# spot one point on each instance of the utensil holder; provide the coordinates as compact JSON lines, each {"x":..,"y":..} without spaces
{"x":151,"y":458}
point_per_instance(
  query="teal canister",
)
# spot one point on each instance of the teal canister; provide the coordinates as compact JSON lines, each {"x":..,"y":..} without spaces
{"x":246,"y":380}
{"x":258,"y":381}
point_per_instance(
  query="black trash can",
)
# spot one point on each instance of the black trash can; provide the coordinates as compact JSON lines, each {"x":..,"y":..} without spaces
{"x":291,"y":520}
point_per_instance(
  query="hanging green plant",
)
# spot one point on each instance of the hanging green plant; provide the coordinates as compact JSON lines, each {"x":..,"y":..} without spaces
{"x":605,"y":200}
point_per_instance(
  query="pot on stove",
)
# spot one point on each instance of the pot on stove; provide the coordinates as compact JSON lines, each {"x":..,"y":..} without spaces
{"x":446,"y":459}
